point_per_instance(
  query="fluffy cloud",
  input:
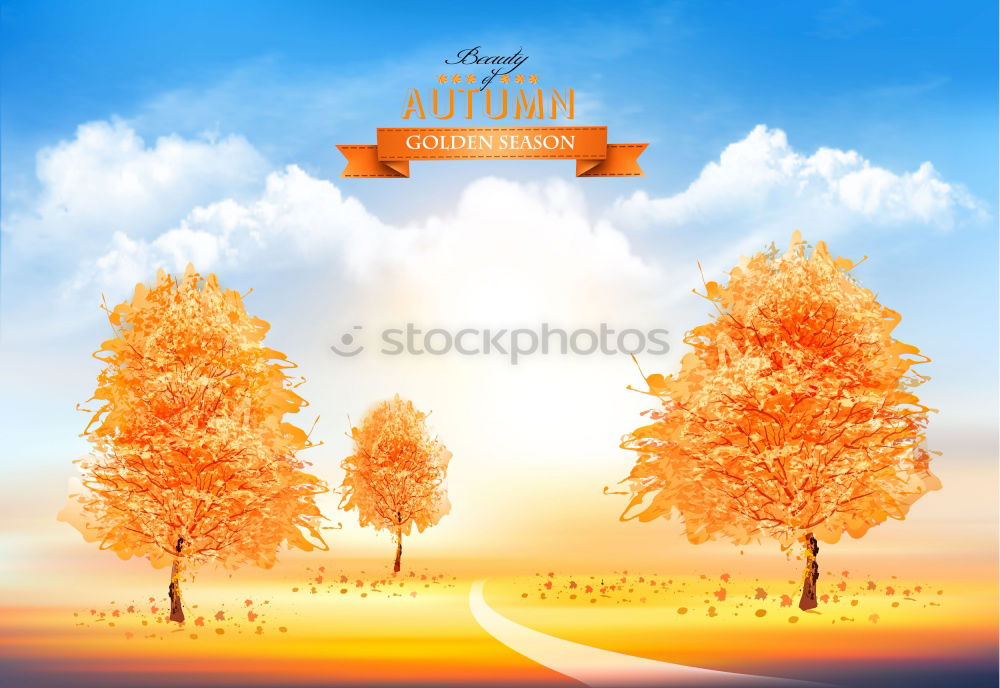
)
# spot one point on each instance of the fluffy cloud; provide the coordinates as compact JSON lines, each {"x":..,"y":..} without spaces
{"x":296,"y":217}
{"x":760,"y":189}
{"x":107,"y":180}
{"x":504,"y":244}
{"x":507,"y":250}
{"x":761,"y":179}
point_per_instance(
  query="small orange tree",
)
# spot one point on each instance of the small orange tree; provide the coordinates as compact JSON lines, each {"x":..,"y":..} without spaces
{"x":395,"y":478}
{"x":192,"y":461}
{"x":792,"y":416}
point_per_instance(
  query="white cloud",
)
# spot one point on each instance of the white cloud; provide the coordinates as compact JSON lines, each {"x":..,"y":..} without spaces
{"x":296,"y":218}
{"x":125,"y":209}
{"x":762,"y":178}
{"x":516,"y":252}
{"x":107,"y":180}
{"x":506,"y":249}
{"x":761,"y":189}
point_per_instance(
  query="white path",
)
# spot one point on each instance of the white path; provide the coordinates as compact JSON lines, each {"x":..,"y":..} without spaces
{"x":595,"y":667}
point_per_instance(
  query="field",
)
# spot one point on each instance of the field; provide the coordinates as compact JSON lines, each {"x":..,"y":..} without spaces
{"x":355,"y":625}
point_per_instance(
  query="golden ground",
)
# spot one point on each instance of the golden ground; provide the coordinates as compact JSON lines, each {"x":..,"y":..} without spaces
{"x":356,"y":625}
{"x":754,"y":625}
{"x":317,"y":627}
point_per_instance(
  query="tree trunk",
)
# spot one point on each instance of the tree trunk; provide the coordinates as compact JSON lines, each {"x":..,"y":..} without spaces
{"x":174,"y":591}
{"x":811,"y":574}
{"x":399,"y":550}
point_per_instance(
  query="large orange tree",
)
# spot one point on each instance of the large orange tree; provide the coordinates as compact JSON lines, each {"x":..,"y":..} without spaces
{"x":395,"y":478}
{"x":792,"y":417}
{"x":192,"y":461}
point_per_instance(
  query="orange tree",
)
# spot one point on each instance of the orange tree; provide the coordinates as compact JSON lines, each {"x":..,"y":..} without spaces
{"x":192,"y":460}
{"x":395,"y":478}
{"x":792,"y":416}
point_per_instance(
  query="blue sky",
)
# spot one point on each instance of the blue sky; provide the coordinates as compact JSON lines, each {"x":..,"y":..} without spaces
{"x":225,"y":95}
{"x":903,"y":81}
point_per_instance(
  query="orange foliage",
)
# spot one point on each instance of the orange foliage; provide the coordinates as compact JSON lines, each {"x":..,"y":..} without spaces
{"x":793,"y":414}
{"x":395,"y":478}
{"x":189,"y":442}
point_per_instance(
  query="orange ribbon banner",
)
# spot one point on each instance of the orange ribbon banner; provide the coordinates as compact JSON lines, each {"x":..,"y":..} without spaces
{"x":396,"y":146}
